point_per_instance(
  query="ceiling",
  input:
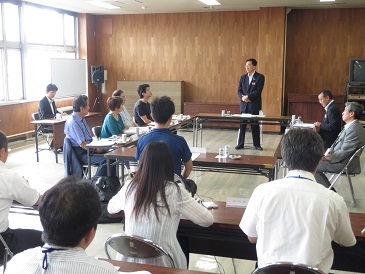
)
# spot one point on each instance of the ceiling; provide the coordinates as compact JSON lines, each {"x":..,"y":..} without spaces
{"x":177,"y":6}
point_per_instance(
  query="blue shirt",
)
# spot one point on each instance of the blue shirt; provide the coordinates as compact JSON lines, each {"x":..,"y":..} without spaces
{"x":77,"y":130}
{"x":111,"y":126}
{"x":179,"y":148}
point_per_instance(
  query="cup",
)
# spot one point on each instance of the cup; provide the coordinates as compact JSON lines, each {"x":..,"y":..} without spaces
{"x":124,"y":138}
{"x":223,"y":112}
{"x":228,"y":113}
{"x":181,"y":116}
{"x":58,"y":116}
{"x":137,"y":130}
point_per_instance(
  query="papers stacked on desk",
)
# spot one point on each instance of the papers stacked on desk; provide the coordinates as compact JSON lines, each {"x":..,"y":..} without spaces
{"x":304,"y":125}
{"x":248,"y":115}
{"x":102,"y":143}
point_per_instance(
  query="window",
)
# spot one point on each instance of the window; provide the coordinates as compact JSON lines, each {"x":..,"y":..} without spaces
{"x":25,"y":59}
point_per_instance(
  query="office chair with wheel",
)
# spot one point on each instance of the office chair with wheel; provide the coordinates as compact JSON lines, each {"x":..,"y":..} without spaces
{"x":287,"y":268}
{"x":97,"y":131}
{"x":352,"y":168}
{"x":45,"y":132}
{"x":135,"y":247}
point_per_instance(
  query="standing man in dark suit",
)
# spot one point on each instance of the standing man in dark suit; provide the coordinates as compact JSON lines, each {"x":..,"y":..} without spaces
{"x":47,"y":107}
{"x":331,"y":123}
{"x":249,"y":92}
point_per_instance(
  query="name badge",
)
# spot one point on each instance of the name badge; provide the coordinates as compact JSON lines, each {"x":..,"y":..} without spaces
{"x":253,"y":83}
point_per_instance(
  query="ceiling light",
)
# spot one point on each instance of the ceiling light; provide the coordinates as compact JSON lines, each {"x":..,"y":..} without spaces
{"x":211,"y":2}
{"x":327,"y":0}
{"x":103,"y":4}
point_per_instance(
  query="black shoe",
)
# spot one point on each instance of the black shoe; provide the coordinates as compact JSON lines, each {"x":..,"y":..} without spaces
{"x":258,"y":148}
{"x":240,"y":146}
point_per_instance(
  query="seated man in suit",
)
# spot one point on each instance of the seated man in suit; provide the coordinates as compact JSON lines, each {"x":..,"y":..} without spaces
{"x":331,"y":123}
{"x":294,"y":219}
{"x":47,"y":107}
{"x":69,"y":214}
{"x":162,"y":110}
{"x":142,"y":109}
{"x":15,"y":187}
{"x":77,"y":130}
{"x":350,"y":139}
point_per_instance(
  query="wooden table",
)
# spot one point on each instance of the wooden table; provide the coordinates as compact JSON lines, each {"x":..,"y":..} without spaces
{"x":247,"y":164}
{"x":92,"y":119}
{"x":225,"y":238}
{"x":154,"y":269}
{"x":202,"y":118}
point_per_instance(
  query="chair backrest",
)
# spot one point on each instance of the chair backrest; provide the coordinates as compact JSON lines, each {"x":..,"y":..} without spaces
{"x":136,"y":247}
{"x":357,"y":153}
{"x":97,"y":131}
{"x":35,"y":116}
{"x":72,"y":163}
{"x":287,"y":268}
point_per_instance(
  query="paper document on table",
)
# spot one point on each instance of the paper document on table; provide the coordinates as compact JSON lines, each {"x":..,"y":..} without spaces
{"x":242,"y":115}
{"x":236,"y":202}
{"x":194,"y":156}
{"x":136,"y":272}
{"x":304,"y":125}
{"x":102,"y":143}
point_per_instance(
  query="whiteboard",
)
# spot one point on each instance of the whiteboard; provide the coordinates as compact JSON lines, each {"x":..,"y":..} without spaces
{"x":69,"y":75}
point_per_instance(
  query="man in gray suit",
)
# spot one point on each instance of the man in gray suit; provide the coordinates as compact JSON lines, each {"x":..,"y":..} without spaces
{"x":349,"y":140}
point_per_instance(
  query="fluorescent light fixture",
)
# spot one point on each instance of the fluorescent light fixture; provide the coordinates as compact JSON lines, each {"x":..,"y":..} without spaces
{"x":211,"y":2}
{"x":103,"y":4}
{"x":327,"y":0}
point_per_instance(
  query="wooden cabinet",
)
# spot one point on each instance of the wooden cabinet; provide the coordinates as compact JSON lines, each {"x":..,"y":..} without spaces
{"x":355,"y":94}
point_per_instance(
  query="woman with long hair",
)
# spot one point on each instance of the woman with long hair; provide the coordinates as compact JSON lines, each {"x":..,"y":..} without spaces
{"x":153,"y":204}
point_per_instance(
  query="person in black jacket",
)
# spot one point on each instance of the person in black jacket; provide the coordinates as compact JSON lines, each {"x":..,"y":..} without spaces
{"x":249,"y":92}
{"x":47,"y":107}
{"x":330,"y":126}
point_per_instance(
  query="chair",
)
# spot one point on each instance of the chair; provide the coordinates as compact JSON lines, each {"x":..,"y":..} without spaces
{"x":72,"y":164}
{"x":333,"y":179}
{"x":97,"y":131}
{"x":286,"y":268}
{"x":42,"y":131}
{"x":135,"y":247}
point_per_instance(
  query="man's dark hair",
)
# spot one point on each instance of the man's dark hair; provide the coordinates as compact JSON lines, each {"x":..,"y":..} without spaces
{"x":114,"y":102}
{"x":355,"y":107}
{"x":302,"y":149}
{"x":68,"y":211}
{"x":3,"y":140}
{"x":253,"y":61}
{"x":142,"y":89}
{"x":117,"y":92}
{"x":327,"y":93}
{"x":51,"y":87}
{"x":79,"y":101}
{"x":162,"y":109}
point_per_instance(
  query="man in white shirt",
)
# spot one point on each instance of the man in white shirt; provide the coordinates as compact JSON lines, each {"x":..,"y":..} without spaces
{"x":15,"y":187}
{"x":295,"y":219}
{"x":69,"y":214}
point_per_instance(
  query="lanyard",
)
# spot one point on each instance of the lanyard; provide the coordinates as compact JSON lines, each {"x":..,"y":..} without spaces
{"x":299,"y":177}
{"x":46,"y":250}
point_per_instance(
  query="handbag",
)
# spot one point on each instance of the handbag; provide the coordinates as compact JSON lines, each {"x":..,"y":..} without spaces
{"x":106,"y":186}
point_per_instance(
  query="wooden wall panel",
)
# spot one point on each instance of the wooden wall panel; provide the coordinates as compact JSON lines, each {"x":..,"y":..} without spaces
{"x":320,"y":44}
{"x":205,"y":50}
{"x":16,"y":118}
{"x":271,"y":60}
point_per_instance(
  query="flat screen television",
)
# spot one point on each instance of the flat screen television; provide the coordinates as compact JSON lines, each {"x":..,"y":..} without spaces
{"x":357,"y":72}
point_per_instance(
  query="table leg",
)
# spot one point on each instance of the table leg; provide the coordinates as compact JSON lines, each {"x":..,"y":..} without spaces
{"x":108,"y":171}
{"x":88,"y":164}
{"x":36,"y":141}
